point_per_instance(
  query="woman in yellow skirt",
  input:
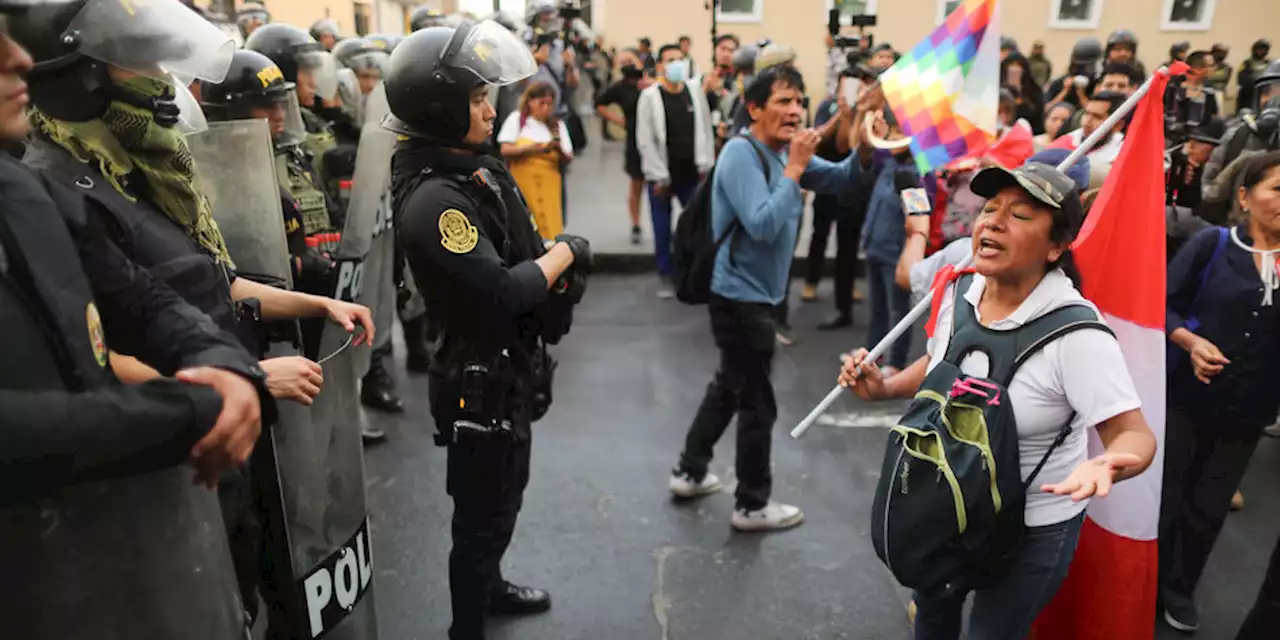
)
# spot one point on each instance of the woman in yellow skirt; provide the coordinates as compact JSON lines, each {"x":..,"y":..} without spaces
{"x":536,"y":146}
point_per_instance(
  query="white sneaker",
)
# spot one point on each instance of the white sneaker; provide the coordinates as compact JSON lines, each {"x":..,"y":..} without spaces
{"x":684,"y":486}
{"x":774,"y":517}
{"x":1273,"y":431}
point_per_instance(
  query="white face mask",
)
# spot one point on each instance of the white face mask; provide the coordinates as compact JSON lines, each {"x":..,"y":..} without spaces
{"x":677,"y":71}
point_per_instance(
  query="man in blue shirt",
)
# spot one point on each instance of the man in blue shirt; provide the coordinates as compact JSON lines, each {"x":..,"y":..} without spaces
{"x":758,"y":184}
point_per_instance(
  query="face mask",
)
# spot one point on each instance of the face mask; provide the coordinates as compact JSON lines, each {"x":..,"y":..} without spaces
{"x":632,"y":72}
{"x":677,"y":71}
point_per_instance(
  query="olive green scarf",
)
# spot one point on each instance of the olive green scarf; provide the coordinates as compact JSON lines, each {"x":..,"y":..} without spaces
{"x":125,"y":140}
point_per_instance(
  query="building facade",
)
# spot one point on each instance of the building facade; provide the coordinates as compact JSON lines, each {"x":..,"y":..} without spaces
{"x":1058,"y":23}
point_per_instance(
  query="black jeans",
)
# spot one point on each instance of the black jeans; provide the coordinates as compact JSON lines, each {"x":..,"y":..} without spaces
{"x":1203,"y":465}
{"x":827,"y":212}
{"x":1264,"y":617}
{"x":487,"y":483}
{"x":744,"y":333}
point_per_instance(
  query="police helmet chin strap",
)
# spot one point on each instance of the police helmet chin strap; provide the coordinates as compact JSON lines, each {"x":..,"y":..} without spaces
{"x":164,"y":109}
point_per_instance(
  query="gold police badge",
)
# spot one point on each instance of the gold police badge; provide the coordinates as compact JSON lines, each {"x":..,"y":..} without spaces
{"x":457,"y":234}
{"x":97,"y":339}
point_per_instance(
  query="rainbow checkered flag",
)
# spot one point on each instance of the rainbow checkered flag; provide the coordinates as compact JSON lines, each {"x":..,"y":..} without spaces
{"x":945,"y":92}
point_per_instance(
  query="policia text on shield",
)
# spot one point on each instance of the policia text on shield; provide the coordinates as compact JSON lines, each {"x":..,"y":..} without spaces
{"x":499,"y":296}
{"x":93,"y":483}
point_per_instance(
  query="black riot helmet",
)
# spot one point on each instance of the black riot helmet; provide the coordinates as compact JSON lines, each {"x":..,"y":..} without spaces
{"x":433,"y":72}
{"x":1266,"y":91}
{"x":1085,"y":56}
{"x":349,"y":48}
{"x":384,"y":42}
{"x":255,"y":88}
{"x":1122,"y":37}
{"x":295,"y":51}
{"x":1262,"y":44}
{"x":74,"y":43}
{"x":360,"y":54}
{"x":325,"y":27}
{"x":425,"y":17}
{"x":1179,"y":50}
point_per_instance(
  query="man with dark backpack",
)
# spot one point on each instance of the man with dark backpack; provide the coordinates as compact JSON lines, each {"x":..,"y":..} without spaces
{"x":755,"y":211}
{"x":986,"y":477}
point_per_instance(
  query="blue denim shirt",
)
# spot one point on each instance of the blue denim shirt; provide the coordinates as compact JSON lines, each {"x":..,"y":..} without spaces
{"x":884,"y":231}
{"x":769,"y":214}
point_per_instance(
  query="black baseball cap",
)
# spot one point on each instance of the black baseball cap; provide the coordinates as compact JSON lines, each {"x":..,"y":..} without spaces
{"x":1210,"y":131}
{"x":1042,"y":182}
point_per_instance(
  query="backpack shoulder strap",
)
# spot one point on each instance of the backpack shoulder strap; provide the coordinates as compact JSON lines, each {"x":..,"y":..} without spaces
{"x":1042,"y":331}
{"x":735,"y":224}
{"x":1038,"y":334}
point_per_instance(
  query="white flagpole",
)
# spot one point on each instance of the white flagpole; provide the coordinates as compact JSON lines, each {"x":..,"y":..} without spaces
{"x":924,"y":305}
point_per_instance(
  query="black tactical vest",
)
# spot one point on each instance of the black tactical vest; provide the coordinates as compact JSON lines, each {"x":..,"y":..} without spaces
{"x":146,"y":235}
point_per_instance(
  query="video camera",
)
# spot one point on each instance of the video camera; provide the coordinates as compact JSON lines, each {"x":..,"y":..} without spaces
{"x":860,"y":43}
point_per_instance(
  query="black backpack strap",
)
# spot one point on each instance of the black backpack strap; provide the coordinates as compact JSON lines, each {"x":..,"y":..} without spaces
{"x":1036,"y":335}
{"x":735,"y":224}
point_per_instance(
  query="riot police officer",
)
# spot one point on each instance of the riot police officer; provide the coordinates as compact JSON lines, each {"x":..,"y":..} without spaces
{"x":498,"y":295}
{"x":255,"y":89}
{"x":251,"y":16}
{"x":332,"y":133}
{"x":1122,"y":48}
{"x":109,"y":124}
{"x":425,"y":17}
{"x":97,"y":508}
{"x":326,"y":32}
{"x":1257,"y":63}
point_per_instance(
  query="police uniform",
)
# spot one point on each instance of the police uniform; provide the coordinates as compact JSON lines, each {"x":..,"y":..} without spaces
{"x":470,"y":243}
{"x":67,"y":420}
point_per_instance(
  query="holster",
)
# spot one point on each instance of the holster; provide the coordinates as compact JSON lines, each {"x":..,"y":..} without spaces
{"x":544,"y":375}
{"x":249,"y":327}
{"x":473,"y":400}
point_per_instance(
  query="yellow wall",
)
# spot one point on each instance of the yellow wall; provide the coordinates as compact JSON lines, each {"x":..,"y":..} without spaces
{"x":802,"y":23}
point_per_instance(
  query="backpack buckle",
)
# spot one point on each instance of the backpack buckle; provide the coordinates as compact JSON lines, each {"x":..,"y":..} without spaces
{"x":976,"y":387}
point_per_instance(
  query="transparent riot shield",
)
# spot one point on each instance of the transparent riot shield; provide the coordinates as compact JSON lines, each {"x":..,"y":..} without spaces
{"x":337,"y":593}
{"x":236,"y":164}
{"x":138,"y":557}
{"x":378,"y":291}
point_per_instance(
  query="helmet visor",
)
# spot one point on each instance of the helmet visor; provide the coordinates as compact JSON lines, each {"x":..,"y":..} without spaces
{"x":152,"y":37}
{"x":191,"y":118}
{"x":322,"y":69}
{"x":493,"y":54}
{"x":369,"y":61}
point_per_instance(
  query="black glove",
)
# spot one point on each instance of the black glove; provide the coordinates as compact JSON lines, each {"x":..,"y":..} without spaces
{"x":582,"y":259}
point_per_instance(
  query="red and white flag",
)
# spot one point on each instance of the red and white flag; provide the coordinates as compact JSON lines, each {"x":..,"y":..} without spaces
{"x":1110,"y":592}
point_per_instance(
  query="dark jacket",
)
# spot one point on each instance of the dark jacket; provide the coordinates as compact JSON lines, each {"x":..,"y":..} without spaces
{"x":66,"y":418}
{"x":482,"y":280}
{"x":1221,"y":301}
{"x":144,"y":234}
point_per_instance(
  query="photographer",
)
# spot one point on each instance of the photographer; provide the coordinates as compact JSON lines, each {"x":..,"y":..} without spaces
{"x":1190,"y":103}
{"x":1073,"y":87}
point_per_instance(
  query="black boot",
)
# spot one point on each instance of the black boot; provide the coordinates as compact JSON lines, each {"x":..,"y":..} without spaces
{"x":840,"y":320}
{"x":379,"y":389}
{"x":511,"y":600}
{"x":416,"y":343}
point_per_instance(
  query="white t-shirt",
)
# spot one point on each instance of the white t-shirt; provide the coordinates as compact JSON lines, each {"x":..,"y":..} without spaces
{"x":1083,"y":372}
{"x":534,"y":130}
{"x":922,"y":273}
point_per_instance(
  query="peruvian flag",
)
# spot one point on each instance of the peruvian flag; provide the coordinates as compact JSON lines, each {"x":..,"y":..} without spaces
{"x":1110,"y":592}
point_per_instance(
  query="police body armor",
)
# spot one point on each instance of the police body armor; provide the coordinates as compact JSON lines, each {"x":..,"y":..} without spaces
{"x":138,"y":557}
{"x":300,"y":180}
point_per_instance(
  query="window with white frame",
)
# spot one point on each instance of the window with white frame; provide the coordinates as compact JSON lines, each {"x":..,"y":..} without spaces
{"x":740,"y":10}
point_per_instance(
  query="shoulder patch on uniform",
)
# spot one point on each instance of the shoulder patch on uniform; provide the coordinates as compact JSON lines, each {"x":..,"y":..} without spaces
{"x":97,"y":339}
{"x":457,"y":234}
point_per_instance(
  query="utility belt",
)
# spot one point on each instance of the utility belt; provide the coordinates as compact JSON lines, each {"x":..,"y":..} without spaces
{"x":490,"y":399}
